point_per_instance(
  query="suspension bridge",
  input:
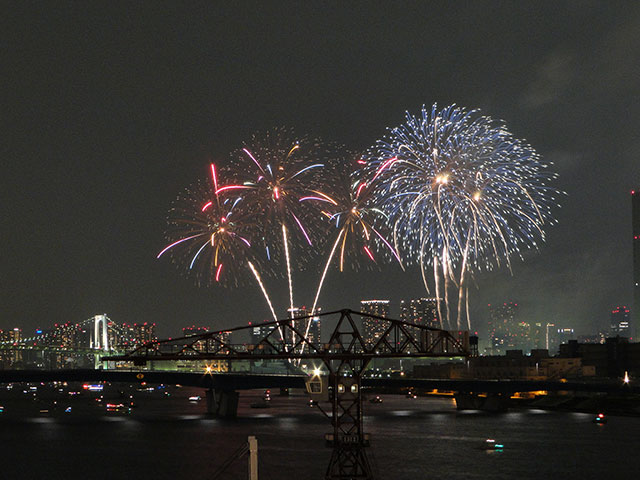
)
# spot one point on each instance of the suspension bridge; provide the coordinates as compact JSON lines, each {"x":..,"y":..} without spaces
{"x":66,"y":345}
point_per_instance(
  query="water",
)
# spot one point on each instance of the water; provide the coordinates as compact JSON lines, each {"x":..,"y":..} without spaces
{"x":168,"y":437}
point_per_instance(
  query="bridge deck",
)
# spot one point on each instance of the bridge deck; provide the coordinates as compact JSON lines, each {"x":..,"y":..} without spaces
{"x":234,"y":381}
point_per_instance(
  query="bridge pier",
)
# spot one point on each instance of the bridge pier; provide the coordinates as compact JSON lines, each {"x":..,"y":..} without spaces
{"x":222,"y":403}
{"x":491,"y":402}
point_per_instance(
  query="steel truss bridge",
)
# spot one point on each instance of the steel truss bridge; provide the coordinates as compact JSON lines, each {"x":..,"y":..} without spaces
{"x":339,"y":367}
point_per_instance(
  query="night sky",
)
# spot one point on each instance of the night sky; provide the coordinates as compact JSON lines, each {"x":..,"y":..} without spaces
{"x":110,"y":110}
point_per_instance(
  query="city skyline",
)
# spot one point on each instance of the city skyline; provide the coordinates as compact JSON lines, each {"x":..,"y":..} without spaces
{"x":421,"y":310}
{"x":346,"y":239}
{"x":100,"y":142}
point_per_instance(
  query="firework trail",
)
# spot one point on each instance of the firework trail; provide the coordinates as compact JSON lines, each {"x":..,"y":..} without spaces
{"x":272,"y":173}
{"x":352,"y":212}
{"x":462,"y":195}
{"x":210,"y":237}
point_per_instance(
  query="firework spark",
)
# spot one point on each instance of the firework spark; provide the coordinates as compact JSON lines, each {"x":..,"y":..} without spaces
{"x":210,"y":237}
{"x":272,"y":173}
{"x":206,"y":232}
{"x":461,"y":194}
{"x":352,"y":210}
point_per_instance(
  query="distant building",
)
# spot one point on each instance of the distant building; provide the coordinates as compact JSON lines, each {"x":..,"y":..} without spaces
{"x":11,"y":336}
{"x":420,"y":311}
{"x":501,"y":321}
{"x":548,"y":336}
{"x":620,"y":322}
{"x":538,"y":335}
{"x":635,"y":214}
{"x":14,"y":335}
{"x":10,"y":358}
{"x":220,"y":338}
{"x":144,"y":333}
{"x":260,"y":331}
{"x":373,"y":328}
{"x":193,"y":330}
{"x":558,"y":337}
{"x":506,"y":330}
{"x":126,"y":337}
{"x":314,"y":327}
{"x":215,"y":342}
{"x":610,"y":359}
{"x":69,"y":336}
{"x":137,"y":334}
{"x":513,"y":366}
{"x":599,"y":337}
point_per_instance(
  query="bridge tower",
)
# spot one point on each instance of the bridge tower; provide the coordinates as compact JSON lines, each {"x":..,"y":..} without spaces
{"x":99,"y":338}
{"x":348,"y":440}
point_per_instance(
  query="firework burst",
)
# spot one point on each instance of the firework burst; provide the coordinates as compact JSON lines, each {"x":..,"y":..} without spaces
{"x":272,"y":173}
{"x":462,"y":194}
{"x":209,"y":237}
{"x":356,"y":220}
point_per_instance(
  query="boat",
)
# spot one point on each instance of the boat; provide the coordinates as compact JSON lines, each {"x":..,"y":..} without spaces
{"x":491,"y":444}
{"x":600,"y":419}
{"x":117,"y":408}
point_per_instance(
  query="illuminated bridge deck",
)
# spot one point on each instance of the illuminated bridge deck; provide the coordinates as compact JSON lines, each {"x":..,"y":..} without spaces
{"x":234,"y":381}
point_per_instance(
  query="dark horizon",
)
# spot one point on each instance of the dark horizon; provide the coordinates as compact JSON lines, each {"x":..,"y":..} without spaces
{"x":111,"y":110}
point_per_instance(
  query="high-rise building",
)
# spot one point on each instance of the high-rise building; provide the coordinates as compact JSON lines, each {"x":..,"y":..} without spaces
{"x":193,"y":330}
{"x":314,"y":327}
{"x":10,"y":336}
{"x":373,"y":328}
{"x":558,"y":336}
{"x":507,"y":331}
{"x":135,"y":335}
{"x":538,"y":335}
{"x":126,"y":336}
{"x":561,"y":336}
{"x":144,"y":332}
{"x":66,"y":336}
{"x":14,"y":335}
{"x":619,"y":325}
{"x":549,"y":335}
{"x":260,"y":331}
{"x":11,"y":357}
{"x":421,"y":311}
{"x":635,"y":213}
{"x":221,"y":337}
